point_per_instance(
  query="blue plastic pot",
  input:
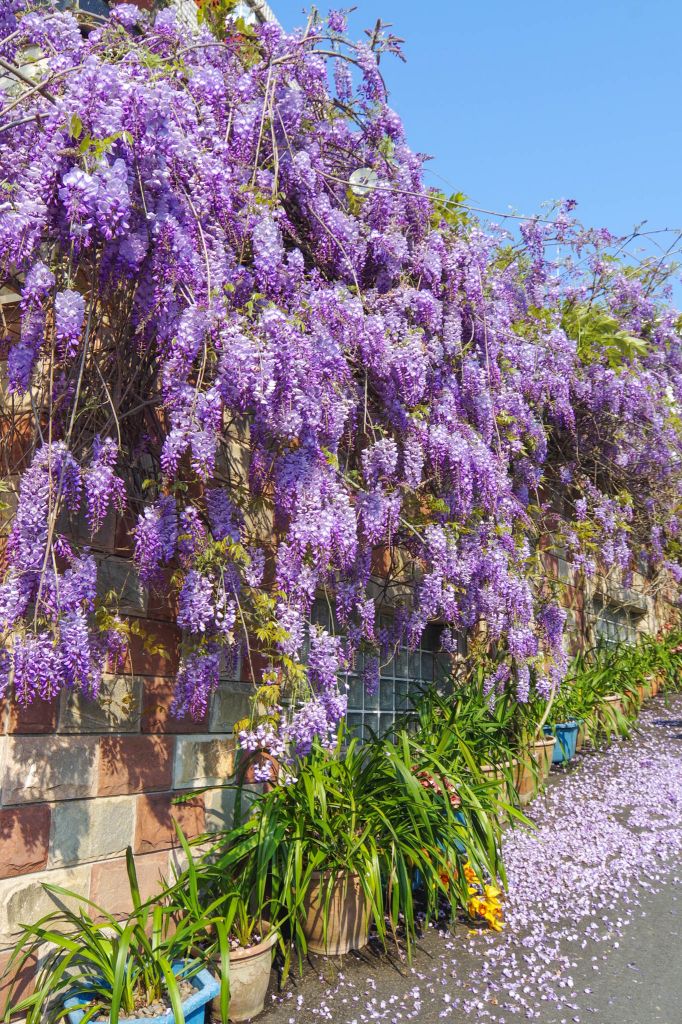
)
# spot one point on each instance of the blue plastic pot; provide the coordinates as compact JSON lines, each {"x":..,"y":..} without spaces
{"x":194,"y":1007}
{"x":566,"y":738}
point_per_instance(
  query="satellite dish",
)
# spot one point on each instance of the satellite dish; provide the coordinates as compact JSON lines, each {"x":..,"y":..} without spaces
{"x":363,"y":181}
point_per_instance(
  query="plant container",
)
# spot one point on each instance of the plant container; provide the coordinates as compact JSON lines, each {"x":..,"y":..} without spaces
{"x":496,"y":773}
{"x":531,"y":778}
{"x":249,"y":979}
{"x":193,"y":1007}
{"x":615,"y":701}
{"x":566,"y":734}
{"x":582,"y":740}
{"x":348,"y":919}
{"x":249,"y":766}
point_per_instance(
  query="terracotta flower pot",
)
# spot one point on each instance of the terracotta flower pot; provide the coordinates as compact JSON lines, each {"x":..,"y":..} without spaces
{"x":496,"y":773}
{"x":616,"y":702}
{"x":348,"y":920}
{"x":530,"y":778}
{"x":249,"y":979}
{"x":582,"y":741}
{"x":252,"y":764}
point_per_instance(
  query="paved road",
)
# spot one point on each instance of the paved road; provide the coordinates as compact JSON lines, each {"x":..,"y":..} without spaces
{"x":594,"y":914}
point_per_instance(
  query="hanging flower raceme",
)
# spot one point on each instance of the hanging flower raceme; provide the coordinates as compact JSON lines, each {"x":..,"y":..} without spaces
{"x":244,"y":320}
{"x":49,"y":592}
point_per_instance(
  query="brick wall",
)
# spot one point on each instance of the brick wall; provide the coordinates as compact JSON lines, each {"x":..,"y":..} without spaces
{"x":81,"y":781}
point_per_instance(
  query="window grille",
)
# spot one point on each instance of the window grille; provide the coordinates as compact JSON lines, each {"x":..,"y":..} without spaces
{"x":616,"y":625}
{"x":400,"y":678}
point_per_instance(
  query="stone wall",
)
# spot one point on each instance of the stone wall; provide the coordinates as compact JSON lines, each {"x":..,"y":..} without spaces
{"x":82,"y":781}
{"x":643,"y":606}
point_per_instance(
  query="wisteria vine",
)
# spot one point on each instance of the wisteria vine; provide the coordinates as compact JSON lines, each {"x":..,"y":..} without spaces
{"x":241,"y":320}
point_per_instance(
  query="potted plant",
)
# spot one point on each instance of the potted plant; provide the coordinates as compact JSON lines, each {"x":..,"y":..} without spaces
{"x":564,"y":720}
{"x":338,"y":841}
{"x":101,"y":968}
{"x":534,"y":764}
{"x":234,"y":940}
{"x":566,"y":736}
{"x":464,"y":730}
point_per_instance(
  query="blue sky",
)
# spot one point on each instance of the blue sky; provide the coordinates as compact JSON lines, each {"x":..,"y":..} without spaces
{"x":520,"y":103}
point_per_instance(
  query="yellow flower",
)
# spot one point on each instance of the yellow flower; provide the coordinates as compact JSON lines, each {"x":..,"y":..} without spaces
{"x":484,"y":900}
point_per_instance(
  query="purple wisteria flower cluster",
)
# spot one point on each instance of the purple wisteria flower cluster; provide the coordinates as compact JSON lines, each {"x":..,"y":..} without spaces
{"x":291,"y":378}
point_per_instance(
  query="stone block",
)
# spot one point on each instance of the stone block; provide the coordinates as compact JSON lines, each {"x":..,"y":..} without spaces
{"x":25,"y":900}
{"x":49,"y":768}
{"x":203,"y":761}
{"x":120,"y":576}
{"x":219,"y":805}
{"x":15,"y":984}
{"x":135,"y":764}
{"x":9,"y":496}
{"x":38,"y":718}
{"x":156,"y":653}
{"x":24,"y":839}
{"x":162,"y":601}
{"x":76,"y":525}
{"x":157,"y":699}
{"x":110,"y":887}
{"x":84,"y":830}
{"x":116,"y":709}
{"x":178,"y":860}
{"x":154,"y":820}
{"x":230,"y":703}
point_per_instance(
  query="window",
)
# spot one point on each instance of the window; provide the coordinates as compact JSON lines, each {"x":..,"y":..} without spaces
{"x":615,"y":624}
{"x":404,"y":675}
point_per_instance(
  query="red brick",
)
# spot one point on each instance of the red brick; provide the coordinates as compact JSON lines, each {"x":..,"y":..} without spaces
{"x":254,"y":665}
{"x":157,"y":697}
{"x":24,"y":839}
{"x":134,"y":764}
{"x":162,"y":601}
{"x":157,"y":653}
{"x":24,"y":981}
{"x":154,"y":825}
{"x":382,"y":560}
{"x":18,"y":438}
{"x":123,"y":538}
{"x":110,"y":887}
{"x":37,"y":718}
{"x":550,"y":564}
